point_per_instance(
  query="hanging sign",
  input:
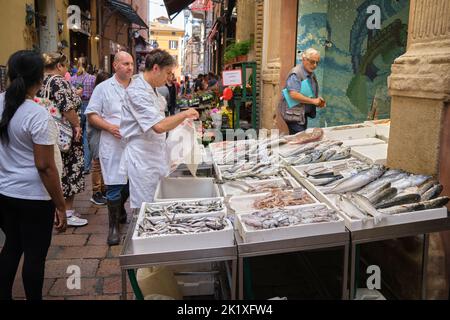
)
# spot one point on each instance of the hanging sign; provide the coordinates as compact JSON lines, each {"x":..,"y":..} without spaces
{"x":232,"y":77}
{"x":202,"y":5}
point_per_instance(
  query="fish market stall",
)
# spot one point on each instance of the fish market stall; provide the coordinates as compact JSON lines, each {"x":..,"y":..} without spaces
{"x":375,"y":202}
{"x":179,"y":234}
{"x":320,"y":189}
{"x":273,"y":213}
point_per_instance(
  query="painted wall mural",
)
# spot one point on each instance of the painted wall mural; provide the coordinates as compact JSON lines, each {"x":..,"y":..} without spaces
{"x":355,"y":60}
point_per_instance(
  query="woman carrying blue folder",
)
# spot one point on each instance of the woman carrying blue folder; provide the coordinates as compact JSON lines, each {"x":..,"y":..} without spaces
{"x":301,"y":95}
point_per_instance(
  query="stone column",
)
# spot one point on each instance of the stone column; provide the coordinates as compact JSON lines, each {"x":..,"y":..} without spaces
{"x":420,"y":120}
{"x":420,"y":89}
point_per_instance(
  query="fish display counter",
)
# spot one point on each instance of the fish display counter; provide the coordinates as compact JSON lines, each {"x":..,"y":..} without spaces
{"x":350,"y":132}
{"x":289,"y":222}
{"x":373,"y":196}
{"x":188,"y":225}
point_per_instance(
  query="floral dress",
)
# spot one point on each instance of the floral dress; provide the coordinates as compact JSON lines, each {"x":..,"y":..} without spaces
{"x":66,"y":99}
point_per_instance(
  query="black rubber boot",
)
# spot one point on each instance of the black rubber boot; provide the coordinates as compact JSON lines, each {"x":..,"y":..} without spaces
{"x":124,"y":195}
{"x":114,"y":211}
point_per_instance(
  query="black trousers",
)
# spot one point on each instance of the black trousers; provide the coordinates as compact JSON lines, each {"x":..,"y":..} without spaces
{"x":295,"y":127}
{"x":27,"y":225}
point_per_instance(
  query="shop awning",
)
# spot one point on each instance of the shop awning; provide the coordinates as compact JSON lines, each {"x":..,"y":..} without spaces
{"x":174,"y":7}
{"x":127,"y":11}
{"x":213,"y":31}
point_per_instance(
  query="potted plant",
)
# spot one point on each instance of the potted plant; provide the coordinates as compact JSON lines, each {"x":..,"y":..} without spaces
{"x":231,"y":53}
{"x":242,"y":49}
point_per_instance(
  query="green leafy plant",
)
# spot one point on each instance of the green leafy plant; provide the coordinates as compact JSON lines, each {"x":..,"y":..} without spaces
{"x":231,"y":52}
{"x":242,"y":48}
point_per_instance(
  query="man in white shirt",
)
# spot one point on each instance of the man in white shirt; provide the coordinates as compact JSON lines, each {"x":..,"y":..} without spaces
{"x":104,"y":113}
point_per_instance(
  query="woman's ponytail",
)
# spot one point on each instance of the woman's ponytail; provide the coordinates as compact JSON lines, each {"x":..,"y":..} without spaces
{"x":25,"y":69}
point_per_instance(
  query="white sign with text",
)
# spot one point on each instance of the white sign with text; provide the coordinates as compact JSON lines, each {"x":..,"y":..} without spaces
{"x":232,"y":78}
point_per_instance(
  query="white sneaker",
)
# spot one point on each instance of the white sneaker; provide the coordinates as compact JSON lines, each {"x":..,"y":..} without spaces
{"x":74,"y":221}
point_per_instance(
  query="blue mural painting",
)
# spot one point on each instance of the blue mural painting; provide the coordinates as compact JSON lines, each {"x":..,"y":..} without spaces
{"x":355,"y":61}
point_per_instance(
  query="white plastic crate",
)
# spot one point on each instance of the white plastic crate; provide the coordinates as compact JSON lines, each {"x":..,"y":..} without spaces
{"x":289,"y":232}
{"x":358,"y":224}
{"x":375,"y":154}
{"x":180,"y":242}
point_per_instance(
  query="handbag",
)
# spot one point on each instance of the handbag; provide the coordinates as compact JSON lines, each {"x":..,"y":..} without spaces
{"x":65,"y":134}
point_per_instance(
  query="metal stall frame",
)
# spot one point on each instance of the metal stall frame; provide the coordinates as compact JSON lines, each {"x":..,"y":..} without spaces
{"x":130,"y":261}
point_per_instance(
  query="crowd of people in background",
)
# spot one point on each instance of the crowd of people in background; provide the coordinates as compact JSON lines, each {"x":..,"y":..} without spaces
{"x":109,"y":117}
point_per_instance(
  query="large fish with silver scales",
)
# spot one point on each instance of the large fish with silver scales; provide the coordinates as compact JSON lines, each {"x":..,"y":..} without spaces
{"x":412,"y":180}
{"x":358,"y":180}
{"x":389,"y":178}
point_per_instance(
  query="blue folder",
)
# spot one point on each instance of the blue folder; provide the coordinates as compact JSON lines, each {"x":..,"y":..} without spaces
{"x":305,"y":90}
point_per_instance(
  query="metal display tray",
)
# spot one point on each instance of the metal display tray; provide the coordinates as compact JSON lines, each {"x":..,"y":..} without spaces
{"x":181,"y":188}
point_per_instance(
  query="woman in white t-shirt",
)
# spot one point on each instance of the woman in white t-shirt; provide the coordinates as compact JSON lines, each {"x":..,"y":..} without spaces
{"x":30,"y":188}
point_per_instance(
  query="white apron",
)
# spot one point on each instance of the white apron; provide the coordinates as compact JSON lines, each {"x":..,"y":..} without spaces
{"x":145,"y":162}
{"x":110,"y":154}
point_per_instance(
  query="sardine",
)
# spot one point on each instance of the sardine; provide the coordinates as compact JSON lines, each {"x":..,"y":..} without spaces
{"x":327,"y":154}
{"x":364,"y":205}
{"x":305,"y":159}
{"x":322,"y":181}
{"x":399,"y":200}
{"x":433,"y":192}
{"x":346,"y":206}
{"x":359,"y":180}
{"x":343,"y":153}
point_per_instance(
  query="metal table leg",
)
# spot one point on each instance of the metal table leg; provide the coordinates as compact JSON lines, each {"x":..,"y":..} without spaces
{"x":352,"y":272}
{"x":345,"y":274}
{"x":241,"y":278}
{"x":233,"y":279}
{"x":426,"y":241}
{"x":124,"y":285}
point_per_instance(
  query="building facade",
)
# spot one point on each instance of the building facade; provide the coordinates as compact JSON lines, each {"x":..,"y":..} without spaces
{"x":96,"y":31}
{"x":167,"y":37}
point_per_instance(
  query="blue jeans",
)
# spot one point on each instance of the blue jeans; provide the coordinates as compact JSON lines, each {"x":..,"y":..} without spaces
{"x":87,"y":153}
{"x":114,"y":192}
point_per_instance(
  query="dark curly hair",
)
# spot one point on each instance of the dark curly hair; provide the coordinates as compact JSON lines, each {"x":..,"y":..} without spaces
{"x":158,"y":57}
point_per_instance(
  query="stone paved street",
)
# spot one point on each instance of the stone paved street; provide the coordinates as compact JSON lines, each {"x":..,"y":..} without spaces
{"x":84,"y":247}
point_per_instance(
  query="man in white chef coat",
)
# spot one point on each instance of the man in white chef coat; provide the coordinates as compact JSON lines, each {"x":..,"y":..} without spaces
{"x":144,"y":125}
{"x":104,"y":112}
